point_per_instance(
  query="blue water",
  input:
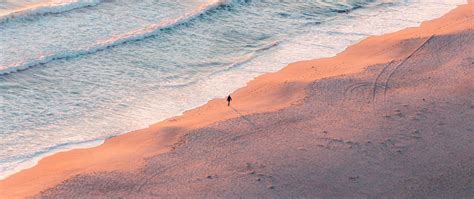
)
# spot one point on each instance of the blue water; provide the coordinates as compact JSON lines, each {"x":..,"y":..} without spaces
{"x":75,"y":73}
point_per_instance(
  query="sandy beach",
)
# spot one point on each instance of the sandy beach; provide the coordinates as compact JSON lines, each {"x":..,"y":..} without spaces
{"x":389,"y":117}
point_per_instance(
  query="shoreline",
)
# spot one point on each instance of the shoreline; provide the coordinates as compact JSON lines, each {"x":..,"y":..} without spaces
{"x":286,"y":85}
{"x":29,"y":163}
{"x":61,"y":148}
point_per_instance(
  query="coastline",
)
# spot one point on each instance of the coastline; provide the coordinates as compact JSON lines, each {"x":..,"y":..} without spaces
{"x":267,"y":93}
{"x":144,"y":111}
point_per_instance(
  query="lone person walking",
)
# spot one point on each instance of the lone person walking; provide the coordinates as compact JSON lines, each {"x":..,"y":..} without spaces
{"x":228,"y":100}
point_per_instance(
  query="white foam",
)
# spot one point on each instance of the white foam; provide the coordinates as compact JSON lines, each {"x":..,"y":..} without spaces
{"x":139,"y":34}
{"x":321,"y":41}
{"x":50,"y":7}
{"x":33,"y":161}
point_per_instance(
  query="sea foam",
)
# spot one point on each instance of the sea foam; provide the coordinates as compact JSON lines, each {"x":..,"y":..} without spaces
{"x":69,"y":102}
{"x":135,"y":35}
{"x":50,"y":7}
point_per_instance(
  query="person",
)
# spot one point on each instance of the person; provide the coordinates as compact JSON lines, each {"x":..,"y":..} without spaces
{"x":228,"y":100}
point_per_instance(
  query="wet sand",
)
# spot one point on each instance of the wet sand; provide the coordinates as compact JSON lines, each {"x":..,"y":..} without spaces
{"x":389,"y":116}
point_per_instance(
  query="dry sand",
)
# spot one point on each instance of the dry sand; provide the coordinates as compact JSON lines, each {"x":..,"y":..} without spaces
{"x":391,"y":116}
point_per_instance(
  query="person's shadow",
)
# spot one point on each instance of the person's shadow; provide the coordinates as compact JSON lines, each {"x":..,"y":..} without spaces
{"x":243,"y":117}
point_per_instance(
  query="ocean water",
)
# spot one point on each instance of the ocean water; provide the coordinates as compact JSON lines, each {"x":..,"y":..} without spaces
{"x":75,"y":72}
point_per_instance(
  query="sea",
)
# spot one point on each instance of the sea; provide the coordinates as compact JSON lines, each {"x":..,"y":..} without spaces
{"x":76,"y":72}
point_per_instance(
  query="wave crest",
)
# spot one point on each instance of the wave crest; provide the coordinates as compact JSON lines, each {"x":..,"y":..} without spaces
{"x":48,"y":8}
{"x":135,"y":35}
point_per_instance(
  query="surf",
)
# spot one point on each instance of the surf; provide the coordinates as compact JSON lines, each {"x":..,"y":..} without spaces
{"x":126,"y":78}
{"x":50,"y":7}
{"x":135,"y":35}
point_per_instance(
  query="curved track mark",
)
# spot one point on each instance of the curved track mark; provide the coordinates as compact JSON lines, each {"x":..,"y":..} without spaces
{"x":403,"y":62}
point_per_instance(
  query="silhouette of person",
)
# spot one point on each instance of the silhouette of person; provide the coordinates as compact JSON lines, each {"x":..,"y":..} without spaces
{"x":228,"y":100}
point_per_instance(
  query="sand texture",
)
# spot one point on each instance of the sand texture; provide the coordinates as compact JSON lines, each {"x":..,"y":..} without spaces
{"x":390,"y":117}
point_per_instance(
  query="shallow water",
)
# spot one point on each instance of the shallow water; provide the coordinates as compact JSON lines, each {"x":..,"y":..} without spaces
{"x":71,"y":76}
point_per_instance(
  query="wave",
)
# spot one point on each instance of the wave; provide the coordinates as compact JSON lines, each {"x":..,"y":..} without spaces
{"x":48,"y":8}
{"x":30,"y":160}
{"x":150,"y":30}
{"x":246,"y":58}
{"x":268,"y":46}
{"x":135,"y":35}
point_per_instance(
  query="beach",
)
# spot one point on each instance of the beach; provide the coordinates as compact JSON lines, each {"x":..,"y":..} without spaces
{"x":390,"y":116}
